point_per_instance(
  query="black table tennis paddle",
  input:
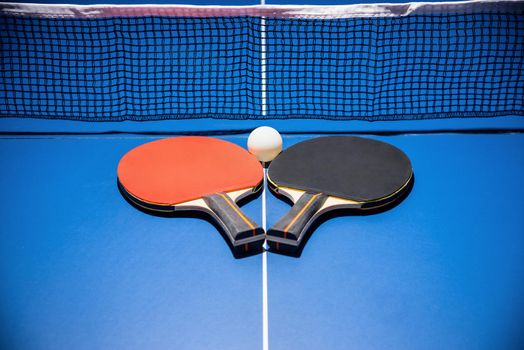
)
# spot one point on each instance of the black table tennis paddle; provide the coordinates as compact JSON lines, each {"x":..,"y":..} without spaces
{"x":335,"y":172}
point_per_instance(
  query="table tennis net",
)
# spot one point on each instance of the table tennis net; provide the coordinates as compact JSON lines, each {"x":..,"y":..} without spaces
{"x":382,"y":62}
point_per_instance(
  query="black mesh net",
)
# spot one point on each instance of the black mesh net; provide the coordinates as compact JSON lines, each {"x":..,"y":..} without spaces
{"x":168,"y":67}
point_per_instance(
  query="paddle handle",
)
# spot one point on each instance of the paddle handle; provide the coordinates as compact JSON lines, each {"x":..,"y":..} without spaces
{"x":295,"y":222}
{"x":236,"y":224}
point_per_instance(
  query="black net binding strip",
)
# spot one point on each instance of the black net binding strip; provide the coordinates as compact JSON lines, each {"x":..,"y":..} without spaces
{"x":140,"y":63}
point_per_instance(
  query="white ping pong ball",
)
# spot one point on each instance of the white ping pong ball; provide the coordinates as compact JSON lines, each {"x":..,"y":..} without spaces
{"x":265,"y":143}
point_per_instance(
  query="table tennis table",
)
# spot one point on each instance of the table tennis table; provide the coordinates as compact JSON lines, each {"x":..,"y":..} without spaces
{"x":82,"y":269}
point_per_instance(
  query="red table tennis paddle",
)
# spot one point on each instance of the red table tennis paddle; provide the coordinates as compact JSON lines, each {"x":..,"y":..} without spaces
{"x":335,"y":172}
{"x":199,"y":174}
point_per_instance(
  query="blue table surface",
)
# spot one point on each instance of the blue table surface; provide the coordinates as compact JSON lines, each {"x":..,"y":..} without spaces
{"x":82,"y":269}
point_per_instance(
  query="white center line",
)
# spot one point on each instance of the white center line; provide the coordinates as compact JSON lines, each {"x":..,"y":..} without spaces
{"x":265,"y":322}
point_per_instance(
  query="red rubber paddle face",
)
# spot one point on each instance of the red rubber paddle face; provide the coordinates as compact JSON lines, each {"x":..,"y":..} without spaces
{"x":180,"y":169}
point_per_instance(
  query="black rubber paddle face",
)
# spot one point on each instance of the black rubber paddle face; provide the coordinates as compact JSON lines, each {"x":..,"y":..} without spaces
{"x":348,"y":167}
{"x":333,"y":173}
